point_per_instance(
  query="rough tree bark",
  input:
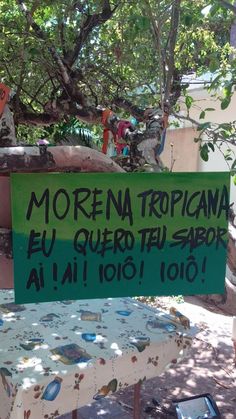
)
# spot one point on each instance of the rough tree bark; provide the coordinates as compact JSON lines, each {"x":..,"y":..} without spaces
{"x":55,"y":159}
{"x":7,"y":128}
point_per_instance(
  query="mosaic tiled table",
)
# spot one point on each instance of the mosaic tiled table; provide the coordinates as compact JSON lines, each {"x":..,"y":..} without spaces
{"x":57,"y":357}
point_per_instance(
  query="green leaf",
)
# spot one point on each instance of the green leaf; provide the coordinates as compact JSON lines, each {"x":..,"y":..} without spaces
{"x":227,"y":91}
{"x":214,"y":65}
{"x":211,"y":146}
{"x":209,"y":109}
{"x":204,"y":126}
{"x":34,"y":52}
{"x":202,"y":115}
{"x":204,"y":152}
{"x":216,"y":81}
{"x":226,"y":126}
{"x":225,"y":103}
{"x":226,"y":134}
{"x":188,"y":101}
{"x":188,"y":20}
{"x":233,"y":164}
{"x":234,"y":179}
{"x":214,"y":9}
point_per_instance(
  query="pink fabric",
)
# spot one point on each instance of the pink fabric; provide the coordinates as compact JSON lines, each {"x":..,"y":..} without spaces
{"x":122,"y":126}
{"x":119,"y":148}
{"x":42,"y":142}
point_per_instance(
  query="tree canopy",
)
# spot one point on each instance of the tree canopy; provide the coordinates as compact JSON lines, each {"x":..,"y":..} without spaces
{"x":66,"y":58}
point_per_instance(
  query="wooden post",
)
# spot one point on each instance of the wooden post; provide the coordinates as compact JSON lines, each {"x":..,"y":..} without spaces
{"x":137,"y":389}
{"x":74,"y":414}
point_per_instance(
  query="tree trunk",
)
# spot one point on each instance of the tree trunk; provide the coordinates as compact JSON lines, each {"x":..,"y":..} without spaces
{"x":7,"y":128}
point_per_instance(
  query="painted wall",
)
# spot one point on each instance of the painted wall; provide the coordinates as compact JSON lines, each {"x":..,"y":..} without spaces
{"x":181,"y":148}
{"x":185,"y":150}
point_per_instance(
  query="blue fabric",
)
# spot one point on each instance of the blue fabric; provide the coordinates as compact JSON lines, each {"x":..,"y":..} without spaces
{"x":162,"y":145}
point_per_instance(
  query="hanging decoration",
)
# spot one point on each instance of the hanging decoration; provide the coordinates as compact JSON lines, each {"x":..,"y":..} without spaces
{"x":115,"y":134}
{"x":7,"y":126}
{"x":165,"y":118}
{"x":4,"y":94}
{"x":109,"y":137}
{"x":139,"y":147}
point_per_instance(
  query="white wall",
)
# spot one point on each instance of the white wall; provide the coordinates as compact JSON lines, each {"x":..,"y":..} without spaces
{"x":217,"y":163}
{"x":203,"y":100}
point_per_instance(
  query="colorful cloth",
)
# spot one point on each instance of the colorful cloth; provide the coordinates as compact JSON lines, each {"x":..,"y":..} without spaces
{"x":108,"y":135}
{"x":4,"y":96}
{"x":122,"y":127}
{"x":162,"y":145}
{"x":56,"y":357}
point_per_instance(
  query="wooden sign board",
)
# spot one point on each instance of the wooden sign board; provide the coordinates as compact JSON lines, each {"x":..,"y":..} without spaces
{"x":78,"y":236}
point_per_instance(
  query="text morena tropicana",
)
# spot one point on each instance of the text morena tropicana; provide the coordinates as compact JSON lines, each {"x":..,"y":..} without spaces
{"x":96,"y":203}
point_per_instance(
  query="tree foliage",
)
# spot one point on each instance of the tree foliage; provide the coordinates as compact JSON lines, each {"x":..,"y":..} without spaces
{"x":64,"y":59}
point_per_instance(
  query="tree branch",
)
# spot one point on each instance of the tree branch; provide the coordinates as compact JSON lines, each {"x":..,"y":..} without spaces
{"x":37,"y":119}
{"x":61,"y":27}
{"x":78,"y":5}
{"x":55,"y":111}
{"x":19,"y":105}
{"x":212,"y":134}
{"x":105,"y":73}
{"x":91,"y":22}
{"x":128,"y":106}
{"x":40,"y":34}
{"x":228,"y":6}
{"x":66,"y":81}
{"x":172,"y":43}
{"x":39,"y":89}
{"x":22,"y":74}
{"x":160,"y":53}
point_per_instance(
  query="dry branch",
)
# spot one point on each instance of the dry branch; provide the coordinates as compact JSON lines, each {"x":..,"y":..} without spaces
{"x":172,"y":43}
{"x":128,"y":106}
{"x":64,"y":77}
{"x":91,"y":22}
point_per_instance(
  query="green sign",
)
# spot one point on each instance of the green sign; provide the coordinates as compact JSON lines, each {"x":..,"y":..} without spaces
{"x":79,"y":236}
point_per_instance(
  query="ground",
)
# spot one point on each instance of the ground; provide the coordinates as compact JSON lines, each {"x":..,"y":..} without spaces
{"x":209,"y":368}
